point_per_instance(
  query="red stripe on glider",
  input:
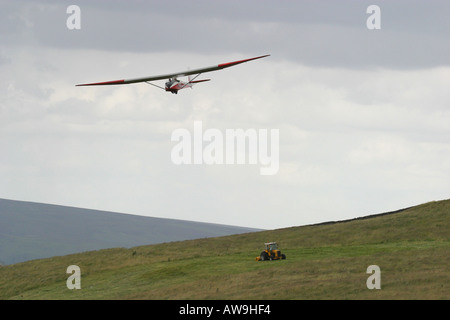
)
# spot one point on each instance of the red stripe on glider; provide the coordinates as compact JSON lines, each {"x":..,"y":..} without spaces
{"x":229,"y":64}
{"x":102,"y":83}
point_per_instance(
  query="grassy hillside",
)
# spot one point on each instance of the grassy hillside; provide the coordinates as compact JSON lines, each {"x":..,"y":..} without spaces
{"x":327,"y":261}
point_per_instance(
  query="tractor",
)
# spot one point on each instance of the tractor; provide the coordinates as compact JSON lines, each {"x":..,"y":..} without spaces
{"x":271,"y":252}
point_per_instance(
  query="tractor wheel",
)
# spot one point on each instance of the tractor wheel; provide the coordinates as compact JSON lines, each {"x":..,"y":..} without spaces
{"x":264,"y":256}
{"x":283,"y":256}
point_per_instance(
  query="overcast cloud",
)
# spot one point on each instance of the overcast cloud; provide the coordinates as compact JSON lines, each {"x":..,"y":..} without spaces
{"x":363,"y":114}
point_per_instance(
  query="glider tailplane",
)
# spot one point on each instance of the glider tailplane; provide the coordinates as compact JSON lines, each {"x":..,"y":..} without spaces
{"x":198,"y":81}
{"x":191,"y":81}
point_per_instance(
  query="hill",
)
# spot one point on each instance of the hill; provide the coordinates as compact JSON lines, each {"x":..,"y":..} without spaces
{"x":31,"y":230}
{"x":328,"y":261}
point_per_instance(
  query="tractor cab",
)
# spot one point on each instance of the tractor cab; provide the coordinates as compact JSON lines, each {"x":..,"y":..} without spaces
{"x":271,"y":246}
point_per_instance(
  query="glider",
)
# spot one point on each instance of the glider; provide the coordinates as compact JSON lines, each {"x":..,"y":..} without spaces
{"x":173,"y":84}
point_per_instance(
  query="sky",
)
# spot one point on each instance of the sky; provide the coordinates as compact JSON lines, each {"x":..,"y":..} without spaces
{"x":363,"y":114}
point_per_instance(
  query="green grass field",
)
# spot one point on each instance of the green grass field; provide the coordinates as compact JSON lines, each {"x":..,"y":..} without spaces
{"x":327,"y":261}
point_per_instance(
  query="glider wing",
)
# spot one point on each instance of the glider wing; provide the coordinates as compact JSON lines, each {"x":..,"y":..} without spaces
{"x":171,"y":75}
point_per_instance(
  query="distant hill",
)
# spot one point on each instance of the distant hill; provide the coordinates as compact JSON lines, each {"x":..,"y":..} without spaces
{"x":31,"y":230}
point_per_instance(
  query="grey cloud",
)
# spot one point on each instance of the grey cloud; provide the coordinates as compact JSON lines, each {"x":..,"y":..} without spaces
{"x":414,"y":34}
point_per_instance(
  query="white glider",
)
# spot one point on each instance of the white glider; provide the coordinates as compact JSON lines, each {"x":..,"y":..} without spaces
{"x":173,"y":84}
